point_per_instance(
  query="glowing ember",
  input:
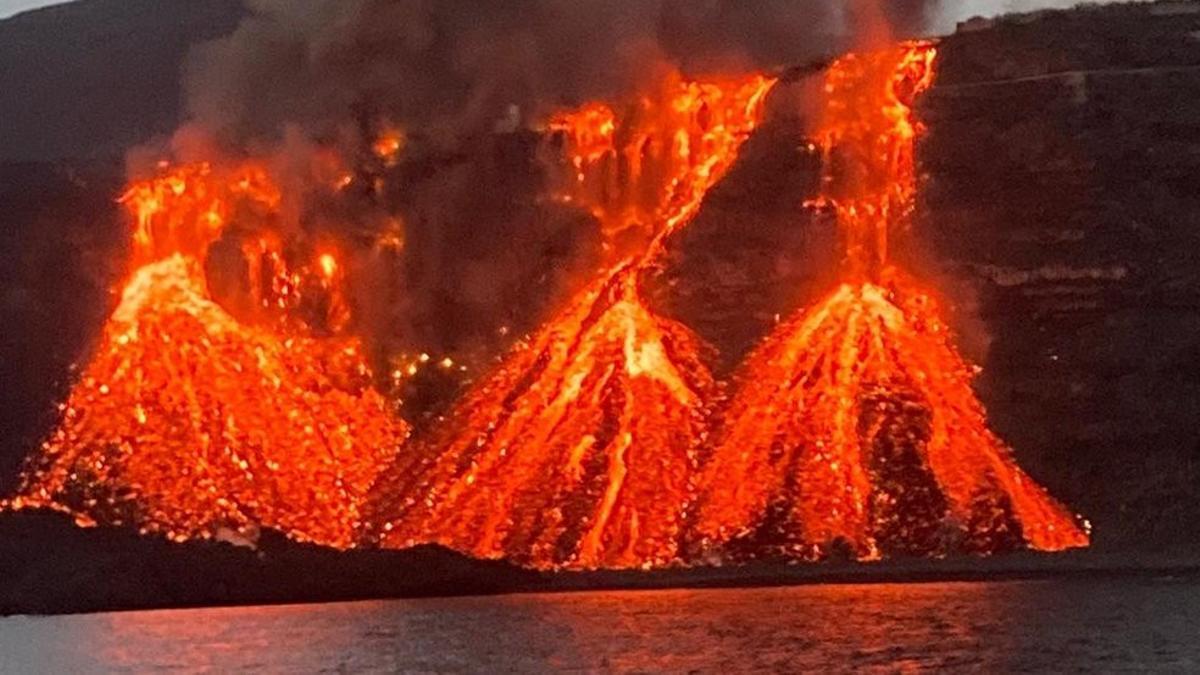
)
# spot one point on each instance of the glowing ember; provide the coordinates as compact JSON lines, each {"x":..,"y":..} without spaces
{"x":856,"y":421}
{"x":328,"y":265}
{"x":578,"y":450}
{"x":189,"y":422}
{"x":388,"y":145}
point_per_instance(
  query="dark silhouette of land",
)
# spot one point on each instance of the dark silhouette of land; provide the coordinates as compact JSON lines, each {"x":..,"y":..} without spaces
{"x":50,"y":566}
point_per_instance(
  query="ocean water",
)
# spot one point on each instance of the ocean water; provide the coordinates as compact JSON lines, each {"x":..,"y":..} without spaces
{"x":1106,"y":625}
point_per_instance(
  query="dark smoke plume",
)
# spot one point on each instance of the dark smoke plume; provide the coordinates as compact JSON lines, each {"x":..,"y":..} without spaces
{"x":463,"y":66}
{"x":484,"y":254}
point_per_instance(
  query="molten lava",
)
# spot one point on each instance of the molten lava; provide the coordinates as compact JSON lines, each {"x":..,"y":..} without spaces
{"x":190,"y":422}
{"x":855,"y":423}
{"x":649,"y":168}
{"x":579,"y":450}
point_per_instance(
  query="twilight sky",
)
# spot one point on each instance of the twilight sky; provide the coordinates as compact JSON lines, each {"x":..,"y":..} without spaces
{"x":10,"y":7}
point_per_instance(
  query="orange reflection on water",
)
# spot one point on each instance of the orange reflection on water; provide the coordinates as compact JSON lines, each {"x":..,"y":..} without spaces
{"x":1106,"y":624}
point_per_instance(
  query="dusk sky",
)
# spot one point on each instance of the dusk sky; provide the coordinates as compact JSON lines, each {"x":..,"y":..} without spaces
{"x":10,"y":7}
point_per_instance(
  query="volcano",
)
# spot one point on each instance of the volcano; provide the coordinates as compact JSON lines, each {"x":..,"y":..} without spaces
{"x":192,"y":423}
{"x":578,"y":451}
{"x":855,"y":426}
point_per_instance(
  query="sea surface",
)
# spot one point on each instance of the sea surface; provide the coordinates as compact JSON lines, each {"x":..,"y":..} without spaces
{"x":1106,"y":625}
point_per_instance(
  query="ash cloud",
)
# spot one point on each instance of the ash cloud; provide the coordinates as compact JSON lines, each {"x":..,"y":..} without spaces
{"x":431,"y":65}
{"x":484,"y":254}
{"x":455,"y":67}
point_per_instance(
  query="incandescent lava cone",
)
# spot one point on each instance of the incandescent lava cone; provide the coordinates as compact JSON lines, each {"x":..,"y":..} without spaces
{"x":579,"y":449}
{"x":855,"y":424}
{"x":190,"y":423}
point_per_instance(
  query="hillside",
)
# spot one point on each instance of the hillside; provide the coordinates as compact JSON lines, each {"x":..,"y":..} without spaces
{"x":89,"y":79}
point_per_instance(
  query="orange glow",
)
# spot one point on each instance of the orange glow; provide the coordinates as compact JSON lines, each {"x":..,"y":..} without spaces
{"x":868,"y":134}
{"x":578,"y":451}
{"x":648,"y":165}
{"x":388,"y":144}
{"x":392,"y":237}
{"x":329,"y":265}
{"x":856,"y":420}
{"x":188,"y":422}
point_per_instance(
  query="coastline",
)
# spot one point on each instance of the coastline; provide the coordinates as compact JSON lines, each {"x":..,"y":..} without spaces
{"x":50,"y":567}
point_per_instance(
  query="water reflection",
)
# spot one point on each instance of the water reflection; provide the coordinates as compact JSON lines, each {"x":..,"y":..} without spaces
{"x":1086,"y":624}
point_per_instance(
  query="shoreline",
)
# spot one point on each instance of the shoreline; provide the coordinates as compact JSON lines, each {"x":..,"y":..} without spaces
{"x":48,"y":566}
{"x":1015,"y":567}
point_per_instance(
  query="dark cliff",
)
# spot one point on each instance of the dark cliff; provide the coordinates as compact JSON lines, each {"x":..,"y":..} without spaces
{"x":1062,"y":157}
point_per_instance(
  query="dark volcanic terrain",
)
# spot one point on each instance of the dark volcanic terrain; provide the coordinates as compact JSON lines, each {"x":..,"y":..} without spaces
{"x":49,"y":566}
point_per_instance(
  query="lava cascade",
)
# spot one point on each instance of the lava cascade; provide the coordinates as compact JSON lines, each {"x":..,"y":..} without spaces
{"x":579,"y":449}
{"x":192,"y":423}
{"x":855,"y":427}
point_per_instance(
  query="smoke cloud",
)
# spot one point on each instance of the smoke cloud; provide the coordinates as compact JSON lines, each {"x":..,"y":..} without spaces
{"x":303,"y":77}
{"x":455,"y":67}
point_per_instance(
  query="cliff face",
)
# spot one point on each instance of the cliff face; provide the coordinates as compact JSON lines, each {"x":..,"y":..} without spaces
{"x":1062,"y":160}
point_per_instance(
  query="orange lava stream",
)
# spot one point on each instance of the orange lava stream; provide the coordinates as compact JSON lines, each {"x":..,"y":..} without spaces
{"x":190,"y":423}
{"x":855,"y":422}
{"x":579,"y":450}
{"x":648,"y":167}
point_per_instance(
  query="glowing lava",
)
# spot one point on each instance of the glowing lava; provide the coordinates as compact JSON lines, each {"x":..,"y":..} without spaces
{"x":191,"y":423}
{"x":855,"y":422}
{"x":579,"y":450}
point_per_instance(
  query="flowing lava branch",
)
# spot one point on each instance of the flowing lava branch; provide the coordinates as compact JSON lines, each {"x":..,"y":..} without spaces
{"x":580,"y":449}
{"x":855,"y":421}
{"x":189,"y":422}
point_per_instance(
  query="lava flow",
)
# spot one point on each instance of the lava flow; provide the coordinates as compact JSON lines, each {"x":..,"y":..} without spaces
{"x":579,"y":450}
{"x":855,"y":426}
{"x":191,"y":423}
